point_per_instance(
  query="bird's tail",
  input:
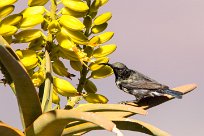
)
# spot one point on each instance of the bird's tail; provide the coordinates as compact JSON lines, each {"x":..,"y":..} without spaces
{"x":174,"y":93}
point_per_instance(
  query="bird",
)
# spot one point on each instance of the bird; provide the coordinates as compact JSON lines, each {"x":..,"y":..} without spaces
{"x":138,"y":84}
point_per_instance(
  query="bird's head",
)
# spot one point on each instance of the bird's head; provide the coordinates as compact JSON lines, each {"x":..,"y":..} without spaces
{"x":119,"y":68}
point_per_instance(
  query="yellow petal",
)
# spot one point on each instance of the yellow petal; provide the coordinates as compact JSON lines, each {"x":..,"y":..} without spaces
{"x":77,"y":36}
{"x":67,"y":11}
{"x":8,"y":30}
{"x":76,"y":5}
{"x":28,"y":35}
{"x":94,"y":41}
{"x":37,"y":2}
{"x":38,"y":78}
{"x":103,"y":2}
{"x":64,"y":87}
{"x":55,"y":97}
{"x":12,"y":19}
{"x":102,"y":72}
{"x":19,"y":53}
{"x":71,"y":23}
{"x":33,"y":11}
{"x":103,"y":18}
{"x":4,"y":3}
{"x":31,"y":21}
{"x":96,"y":65}
{"x":68,"y":54}
{"x":99,"y":28}
{"x":29,"y":63}
{"x":5,"y":11}
{"x":54,"y":27}
{"x":105,"y":50}
{"x":96,"y":98}
{"x":29,"y":59}
{"x":105,"y":37}
{"x":64,"y":41}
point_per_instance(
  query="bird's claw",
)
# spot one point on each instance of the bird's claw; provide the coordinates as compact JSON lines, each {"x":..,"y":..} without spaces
{"x":123,"y":102}
{"x":129,"y":102}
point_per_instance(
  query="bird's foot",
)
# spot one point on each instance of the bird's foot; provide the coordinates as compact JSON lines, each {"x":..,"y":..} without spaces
{"x":128,"y":102}
{"x":123,"y":102}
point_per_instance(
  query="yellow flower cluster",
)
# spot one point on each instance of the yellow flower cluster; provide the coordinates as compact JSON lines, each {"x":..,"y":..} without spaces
{"x":74,"y":33}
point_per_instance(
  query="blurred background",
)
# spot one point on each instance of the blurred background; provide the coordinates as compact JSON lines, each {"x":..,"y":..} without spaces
{"x":162,"y":39}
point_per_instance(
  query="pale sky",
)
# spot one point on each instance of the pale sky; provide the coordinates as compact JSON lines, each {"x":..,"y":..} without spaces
{"x":162,"y":39}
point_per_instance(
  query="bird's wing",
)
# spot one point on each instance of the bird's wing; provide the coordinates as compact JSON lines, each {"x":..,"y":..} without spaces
{"x":144,"y":76}
{"x":142,"y":85}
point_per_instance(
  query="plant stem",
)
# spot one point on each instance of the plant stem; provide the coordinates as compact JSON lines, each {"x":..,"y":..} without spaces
{"x":82,"y":79}
{"x":47,"y":95}
{"x":88,"y":2}
{"x":48,"y":89}
{"x":72,"y":101}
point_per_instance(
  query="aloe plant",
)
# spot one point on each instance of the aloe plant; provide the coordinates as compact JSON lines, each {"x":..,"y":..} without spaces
{"x":37,"y":75}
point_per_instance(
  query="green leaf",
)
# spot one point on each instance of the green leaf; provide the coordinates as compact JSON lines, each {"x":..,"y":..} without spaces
{"x":6,"y":130}
{"x":122,"y":124}
{"x":110,"y":107}
{"x":82,"y":127}
{"x":118,"y":117}
{"x":29,"y":103}
{"x":90,"y":87}
{"x":139,"y":126}
{"x":52,"y":123}
{"x":76,"y":65}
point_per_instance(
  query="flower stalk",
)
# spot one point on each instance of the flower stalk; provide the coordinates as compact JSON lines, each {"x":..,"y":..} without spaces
{"x":48,"y":88}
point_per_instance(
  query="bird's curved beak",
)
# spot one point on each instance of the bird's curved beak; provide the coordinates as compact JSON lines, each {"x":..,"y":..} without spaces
{"x":107,"y":64}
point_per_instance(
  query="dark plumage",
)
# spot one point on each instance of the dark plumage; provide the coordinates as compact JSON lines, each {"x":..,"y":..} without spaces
{"x":139,"y":85}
